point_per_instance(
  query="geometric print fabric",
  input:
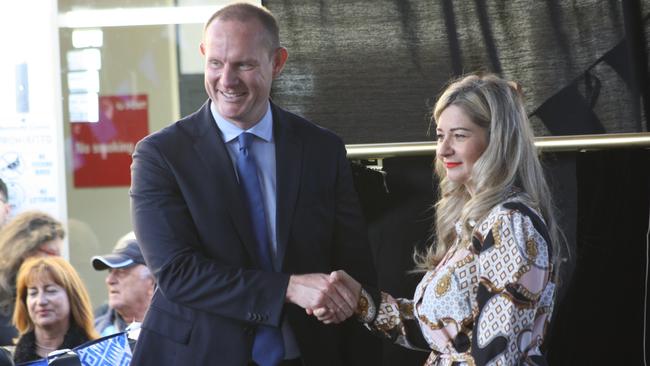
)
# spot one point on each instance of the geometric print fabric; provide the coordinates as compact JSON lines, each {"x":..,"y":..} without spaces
{"x":513,"y":265}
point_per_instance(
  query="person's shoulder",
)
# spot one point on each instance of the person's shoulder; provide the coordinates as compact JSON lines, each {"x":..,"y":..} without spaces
{"x":173,"y":130}
{"x":515,"y":207}
{"x":102,"y":318}
{"x":519,"y":206}
{"x":305,"y":128}
{"x":25,"y":348}
{"x":174,"y":133}
{"x":514,"y":213}
{"x":101,"y":310}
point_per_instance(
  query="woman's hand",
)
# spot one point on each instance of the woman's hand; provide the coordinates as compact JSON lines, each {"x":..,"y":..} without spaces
{"x":349,"y":289}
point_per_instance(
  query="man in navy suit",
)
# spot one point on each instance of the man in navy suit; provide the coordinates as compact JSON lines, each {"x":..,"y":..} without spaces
{"x":192,"y":215}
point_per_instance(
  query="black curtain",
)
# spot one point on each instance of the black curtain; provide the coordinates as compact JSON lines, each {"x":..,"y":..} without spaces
{"x":397,"y":204}
{"x":599,"y":320}
{"x":371,"y":69}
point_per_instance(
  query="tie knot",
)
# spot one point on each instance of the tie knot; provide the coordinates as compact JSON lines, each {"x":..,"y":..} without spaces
{"x":245,"y":139}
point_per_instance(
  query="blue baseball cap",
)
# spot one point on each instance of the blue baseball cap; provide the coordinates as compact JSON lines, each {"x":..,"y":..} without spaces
{"x":125,"y":254}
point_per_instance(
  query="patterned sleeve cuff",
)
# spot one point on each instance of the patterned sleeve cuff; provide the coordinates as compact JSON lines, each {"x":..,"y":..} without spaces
{"x":366,"y":308}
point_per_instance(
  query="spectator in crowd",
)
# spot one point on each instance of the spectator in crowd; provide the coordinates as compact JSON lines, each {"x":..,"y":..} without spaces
{"x":52,"y":309}
{"x":29,"y":234}
{"x":130,"y":286}
{"x":5,"y":208}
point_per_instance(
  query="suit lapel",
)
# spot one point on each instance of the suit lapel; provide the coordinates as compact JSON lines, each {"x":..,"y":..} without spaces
{"x":288,"y":161}
{"x":219,"y":170}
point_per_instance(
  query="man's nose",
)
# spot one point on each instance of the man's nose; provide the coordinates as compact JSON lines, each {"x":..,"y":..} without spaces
{"x":110,"y":279}
{"x":229,"y":77}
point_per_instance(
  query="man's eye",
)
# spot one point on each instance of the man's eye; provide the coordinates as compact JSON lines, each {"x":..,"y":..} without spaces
{"x":246,"y":66}
{"x":439,"y":137}
{"x":460,"y":136}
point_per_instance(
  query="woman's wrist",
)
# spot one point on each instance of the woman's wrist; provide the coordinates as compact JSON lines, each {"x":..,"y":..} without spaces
{"x":366,"y":309}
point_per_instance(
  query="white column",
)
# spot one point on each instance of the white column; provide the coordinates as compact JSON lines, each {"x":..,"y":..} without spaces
{"x":31,"y":123}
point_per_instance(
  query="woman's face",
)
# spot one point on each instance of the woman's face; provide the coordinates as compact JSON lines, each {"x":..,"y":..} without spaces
{"x":47,"y":304}
{"x":460,"y":143}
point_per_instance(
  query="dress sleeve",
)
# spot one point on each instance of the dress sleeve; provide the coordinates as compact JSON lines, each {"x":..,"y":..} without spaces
{"x":391,"y":318}
{"x":515,"y":293}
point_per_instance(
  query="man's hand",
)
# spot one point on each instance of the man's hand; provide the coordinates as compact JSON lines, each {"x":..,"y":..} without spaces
{"x":352,"y":288}
{"x":320,"y":291}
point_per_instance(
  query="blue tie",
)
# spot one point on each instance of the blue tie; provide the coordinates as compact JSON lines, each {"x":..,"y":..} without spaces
{"x":268,"y":347}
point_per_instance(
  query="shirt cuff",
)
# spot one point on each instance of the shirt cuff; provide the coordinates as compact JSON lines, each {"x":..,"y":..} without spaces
{"x":366,"y":309}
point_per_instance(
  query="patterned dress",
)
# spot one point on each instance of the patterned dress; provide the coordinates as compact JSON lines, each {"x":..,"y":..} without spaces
{"x":488,"y":301}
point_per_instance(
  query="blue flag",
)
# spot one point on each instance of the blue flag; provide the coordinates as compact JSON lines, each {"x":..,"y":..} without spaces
{"x":112,"y":350}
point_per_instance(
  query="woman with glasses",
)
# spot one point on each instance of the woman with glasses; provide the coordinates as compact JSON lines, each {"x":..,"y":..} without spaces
{"x":30,"y":234}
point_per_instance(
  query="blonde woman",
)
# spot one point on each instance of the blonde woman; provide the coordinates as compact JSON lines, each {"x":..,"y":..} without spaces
{"x":489,"y":287}
{"x":52,"y":309}
{"x":29,"y":234}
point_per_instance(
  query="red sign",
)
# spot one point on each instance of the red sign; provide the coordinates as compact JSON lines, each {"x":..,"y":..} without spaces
{"x":102,"y":150}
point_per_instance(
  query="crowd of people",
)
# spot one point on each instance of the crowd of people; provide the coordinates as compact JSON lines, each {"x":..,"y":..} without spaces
{"x":44,"y":304}
{"x":250,"y":246}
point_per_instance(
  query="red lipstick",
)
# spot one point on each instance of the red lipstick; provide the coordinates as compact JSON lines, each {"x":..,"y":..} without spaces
{"x":452,"y":165}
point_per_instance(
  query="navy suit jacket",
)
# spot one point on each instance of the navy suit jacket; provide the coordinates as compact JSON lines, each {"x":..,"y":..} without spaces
{"x":194,"y":231}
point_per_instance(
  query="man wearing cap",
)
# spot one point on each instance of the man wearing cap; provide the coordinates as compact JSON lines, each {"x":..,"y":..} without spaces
{"x":130,"y":286}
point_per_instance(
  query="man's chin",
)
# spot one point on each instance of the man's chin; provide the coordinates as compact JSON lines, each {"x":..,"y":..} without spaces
{"x":114,"y":304}
{"x":229,"y":112}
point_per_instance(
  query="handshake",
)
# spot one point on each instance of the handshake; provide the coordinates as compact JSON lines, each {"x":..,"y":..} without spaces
{"x":330,"y":298}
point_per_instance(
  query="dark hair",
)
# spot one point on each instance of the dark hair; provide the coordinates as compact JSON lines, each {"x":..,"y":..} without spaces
{"x":245,"y":12}
{"x":3,"y":189}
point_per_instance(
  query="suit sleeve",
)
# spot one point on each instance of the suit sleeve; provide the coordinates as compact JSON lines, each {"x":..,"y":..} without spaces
{"x":173,"y":251}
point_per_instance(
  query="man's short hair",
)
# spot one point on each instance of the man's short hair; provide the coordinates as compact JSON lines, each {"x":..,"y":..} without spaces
{"x":244,"y":12}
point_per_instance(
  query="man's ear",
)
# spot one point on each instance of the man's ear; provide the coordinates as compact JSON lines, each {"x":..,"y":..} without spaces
{"x":202,"y":48}
{"x":279,"y":59}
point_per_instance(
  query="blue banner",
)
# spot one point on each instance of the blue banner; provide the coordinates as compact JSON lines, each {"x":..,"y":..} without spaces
{"x":112,"y":350}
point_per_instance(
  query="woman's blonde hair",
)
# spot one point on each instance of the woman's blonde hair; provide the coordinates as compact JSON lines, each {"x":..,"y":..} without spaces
{"x":18,"y":239}
{"x":509,"y":163}
{"x":63,"y":274}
